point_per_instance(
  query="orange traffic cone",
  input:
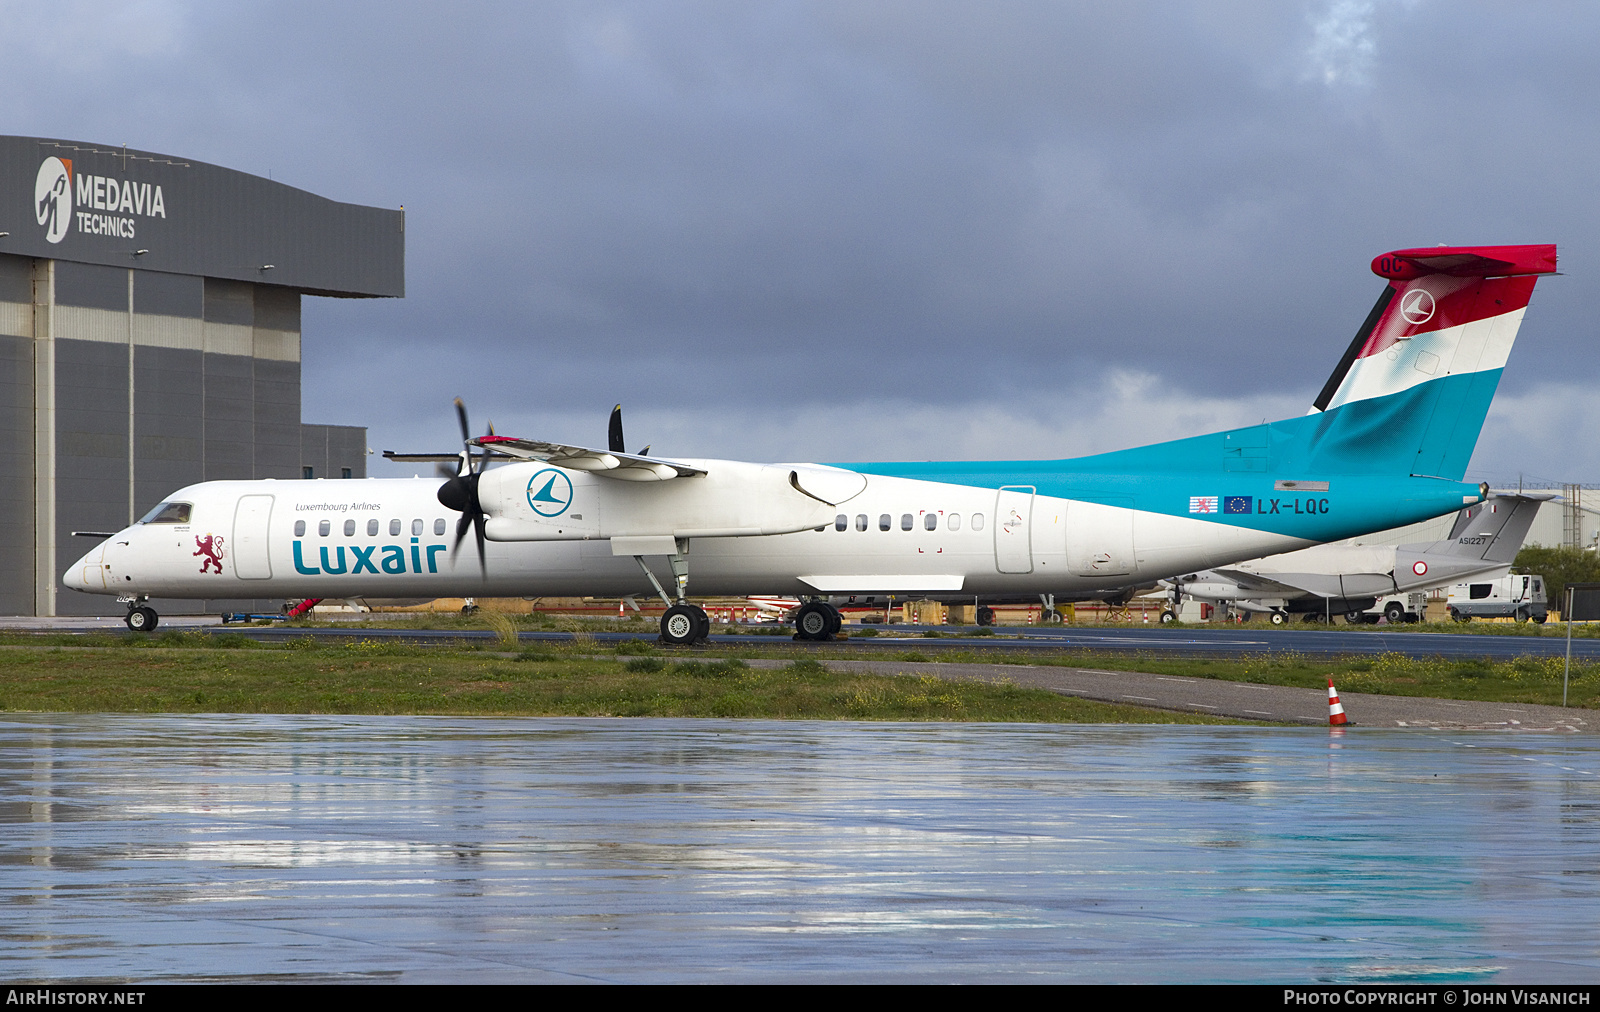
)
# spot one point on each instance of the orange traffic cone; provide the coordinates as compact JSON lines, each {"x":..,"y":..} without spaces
{"x":1336,"y":717}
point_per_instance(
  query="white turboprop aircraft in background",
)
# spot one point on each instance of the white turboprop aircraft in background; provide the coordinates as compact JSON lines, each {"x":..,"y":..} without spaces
{"x":1385,"y":444}
{"x":1349,"y":578}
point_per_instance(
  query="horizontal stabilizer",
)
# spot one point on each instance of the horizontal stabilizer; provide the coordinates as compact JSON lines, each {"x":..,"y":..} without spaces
{"x":1466,"y":262}
{"x":1493,"y":530}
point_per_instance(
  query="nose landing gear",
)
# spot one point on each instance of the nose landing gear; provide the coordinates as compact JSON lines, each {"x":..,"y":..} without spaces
{"x":684,"y":624}
{"x":141,"y":617}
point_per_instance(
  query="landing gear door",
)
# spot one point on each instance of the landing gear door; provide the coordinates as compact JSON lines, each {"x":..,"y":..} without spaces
{"x":251,"y":560}
{"x":1013,"y":525}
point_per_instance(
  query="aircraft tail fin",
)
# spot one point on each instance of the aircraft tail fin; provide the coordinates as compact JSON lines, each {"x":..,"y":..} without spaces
{"x":1491,"y":531}
{"x":1412,"y":390}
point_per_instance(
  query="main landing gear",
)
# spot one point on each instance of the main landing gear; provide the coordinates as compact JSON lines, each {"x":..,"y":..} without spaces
{"x":817,"y":620}
{"x":684,"y":624}
{"x":141,"y":617}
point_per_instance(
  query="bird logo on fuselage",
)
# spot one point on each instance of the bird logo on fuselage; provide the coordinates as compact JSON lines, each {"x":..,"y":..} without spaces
{"x":549,"y":492}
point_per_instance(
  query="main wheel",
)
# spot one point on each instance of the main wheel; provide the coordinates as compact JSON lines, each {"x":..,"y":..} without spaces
{"x":816,"y":621}
{"x":1280,"y":617}
{"x":1395,"y":612}
{"x":985,"y":615}
{"x":680,"y":626}
{"x":142,"y":619}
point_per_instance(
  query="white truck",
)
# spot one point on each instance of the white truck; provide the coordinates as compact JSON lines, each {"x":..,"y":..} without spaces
{"x":1397,"y":608}
{"x":1516,"y":595}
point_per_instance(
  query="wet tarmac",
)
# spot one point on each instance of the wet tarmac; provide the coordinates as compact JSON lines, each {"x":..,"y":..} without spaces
{"x":157,"y":848}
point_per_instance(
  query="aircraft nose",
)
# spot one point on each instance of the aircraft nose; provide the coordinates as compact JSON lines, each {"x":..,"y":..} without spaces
{"x":88,"y":573}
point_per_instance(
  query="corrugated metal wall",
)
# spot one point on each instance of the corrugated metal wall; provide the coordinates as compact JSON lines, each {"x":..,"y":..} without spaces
{"x":215,"y":386}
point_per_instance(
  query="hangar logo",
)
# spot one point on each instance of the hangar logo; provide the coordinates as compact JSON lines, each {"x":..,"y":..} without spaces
{"x":52,"y":197}
{"x":58,"y":192}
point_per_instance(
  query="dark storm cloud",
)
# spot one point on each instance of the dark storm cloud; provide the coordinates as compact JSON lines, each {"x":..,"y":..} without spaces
{"x":719,"y":210}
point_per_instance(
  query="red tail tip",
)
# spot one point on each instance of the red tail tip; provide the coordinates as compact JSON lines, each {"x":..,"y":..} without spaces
{"x":1465,"y":261}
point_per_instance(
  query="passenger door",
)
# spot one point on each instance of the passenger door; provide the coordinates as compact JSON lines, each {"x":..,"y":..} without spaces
{"x":1013,"y":524}
{"x":251,"y":559}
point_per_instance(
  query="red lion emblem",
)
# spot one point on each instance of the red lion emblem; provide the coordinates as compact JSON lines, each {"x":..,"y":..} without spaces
{"x":211,"y":548}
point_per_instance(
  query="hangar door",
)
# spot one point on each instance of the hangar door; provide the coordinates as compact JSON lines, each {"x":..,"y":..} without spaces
{"x":250,"y":558}
{"x":1013,"y":523}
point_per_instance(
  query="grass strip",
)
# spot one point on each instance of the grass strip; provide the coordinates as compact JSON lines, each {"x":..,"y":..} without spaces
{"x":383,"y":677}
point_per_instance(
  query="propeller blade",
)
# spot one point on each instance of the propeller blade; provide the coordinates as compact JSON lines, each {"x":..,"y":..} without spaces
{"x":616,"y":445}
{"x":460,"y":493}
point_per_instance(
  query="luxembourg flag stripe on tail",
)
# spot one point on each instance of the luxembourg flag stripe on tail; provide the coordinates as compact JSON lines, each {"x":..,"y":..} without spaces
{"x":1447,"y":311}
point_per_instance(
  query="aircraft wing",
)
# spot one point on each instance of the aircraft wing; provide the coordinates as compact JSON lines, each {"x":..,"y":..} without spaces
{"x":1260,"y":586}
{"x":623,"y":466}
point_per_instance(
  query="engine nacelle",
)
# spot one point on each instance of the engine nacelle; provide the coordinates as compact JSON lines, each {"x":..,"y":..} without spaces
{"x":542,"y":502}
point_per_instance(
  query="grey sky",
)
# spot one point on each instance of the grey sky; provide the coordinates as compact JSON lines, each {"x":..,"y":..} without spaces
{"x":856,"y":231}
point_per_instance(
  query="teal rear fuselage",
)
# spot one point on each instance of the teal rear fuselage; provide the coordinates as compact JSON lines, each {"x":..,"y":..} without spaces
{"x":1361,"y":467}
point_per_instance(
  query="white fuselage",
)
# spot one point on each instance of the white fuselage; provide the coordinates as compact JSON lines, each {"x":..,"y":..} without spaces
{"x":391,"y":538}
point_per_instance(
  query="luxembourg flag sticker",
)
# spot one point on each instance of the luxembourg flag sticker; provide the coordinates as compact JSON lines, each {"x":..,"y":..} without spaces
{"x":1202,"y":504}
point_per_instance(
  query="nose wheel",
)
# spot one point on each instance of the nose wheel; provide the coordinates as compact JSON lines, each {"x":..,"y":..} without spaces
{"x":142,"y":619}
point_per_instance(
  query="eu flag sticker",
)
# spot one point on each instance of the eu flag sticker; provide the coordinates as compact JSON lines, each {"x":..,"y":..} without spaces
{"x":1236,"y":504}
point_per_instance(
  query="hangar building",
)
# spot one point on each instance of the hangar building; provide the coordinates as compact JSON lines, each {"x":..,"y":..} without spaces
{"x":150,"y":338}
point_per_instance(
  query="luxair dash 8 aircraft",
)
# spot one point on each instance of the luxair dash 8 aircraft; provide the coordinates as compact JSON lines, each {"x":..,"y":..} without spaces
{"x":1386,"y":443}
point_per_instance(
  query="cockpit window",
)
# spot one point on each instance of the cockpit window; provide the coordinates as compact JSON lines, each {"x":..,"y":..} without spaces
{"x":169,"y":513}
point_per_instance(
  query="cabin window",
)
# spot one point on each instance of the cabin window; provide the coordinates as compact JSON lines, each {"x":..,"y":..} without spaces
{"x":372,"y":528}
{"x":1479,"y":591}
{"x":394,"y":528}
{"x":438,"y":526}
{"x":884,"y":522}
{"x":906,"y":520}
{"x":954,"y":523}
{"x":930,"y":521}
{"x":416,"y":528}
{"x":323,"y":528}
{"x":977,"y":521}
{"x":307,"y":473}
{"x":299,"y":528}
{"x":349,"y":528}
{"x":168,"y":513}
{"x":841,"y":522}
{"x":861,"y":521}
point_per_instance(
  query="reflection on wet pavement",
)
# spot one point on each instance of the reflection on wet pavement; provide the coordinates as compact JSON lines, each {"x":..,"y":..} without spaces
{"x":483,"y":850}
